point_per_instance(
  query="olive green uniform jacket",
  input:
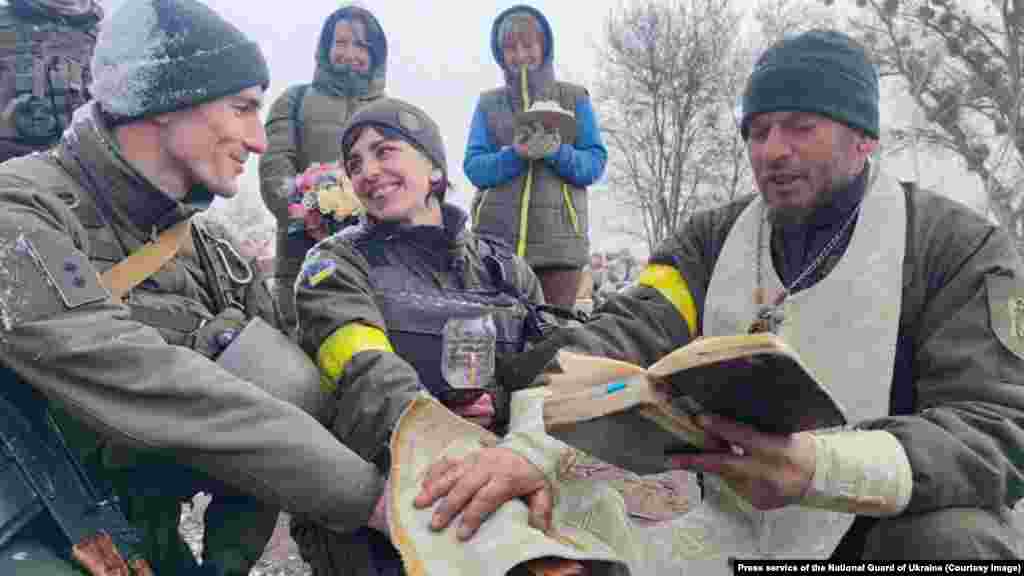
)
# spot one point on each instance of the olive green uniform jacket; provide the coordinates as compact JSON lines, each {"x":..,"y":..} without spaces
{"x":133,"y":384}
{"x":375,"y":385}
{"x":958,"y":388}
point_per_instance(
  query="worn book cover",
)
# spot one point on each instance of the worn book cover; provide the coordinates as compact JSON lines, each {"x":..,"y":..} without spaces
{"x":632,"y":417}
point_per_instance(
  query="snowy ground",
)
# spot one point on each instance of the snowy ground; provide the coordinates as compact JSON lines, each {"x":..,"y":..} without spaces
{"x":281,"y":558}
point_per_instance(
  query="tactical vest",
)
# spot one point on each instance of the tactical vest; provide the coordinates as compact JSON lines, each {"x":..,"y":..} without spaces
{"x":420,"y":315}
{"x":45,"y":51}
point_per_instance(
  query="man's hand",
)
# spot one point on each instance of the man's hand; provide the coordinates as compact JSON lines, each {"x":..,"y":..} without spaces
{"x":480,"y":412}
{"x":479,"y":485}
{"x":769,"y":470}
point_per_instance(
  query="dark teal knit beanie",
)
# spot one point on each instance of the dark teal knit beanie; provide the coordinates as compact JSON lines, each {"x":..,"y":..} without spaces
{"x":821,"y":71}
{"x":156,"y":56}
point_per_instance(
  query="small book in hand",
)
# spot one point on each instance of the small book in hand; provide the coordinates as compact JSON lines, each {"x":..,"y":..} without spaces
{"x":633,"y":418}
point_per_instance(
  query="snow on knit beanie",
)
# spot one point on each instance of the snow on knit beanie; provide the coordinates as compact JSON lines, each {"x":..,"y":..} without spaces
{"x":156,"y":56}
{"x":820,"y":71}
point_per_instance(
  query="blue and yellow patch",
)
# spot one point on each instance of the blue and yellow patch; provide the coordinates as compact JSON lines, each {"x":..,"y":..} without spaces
{"x":316,"y":271}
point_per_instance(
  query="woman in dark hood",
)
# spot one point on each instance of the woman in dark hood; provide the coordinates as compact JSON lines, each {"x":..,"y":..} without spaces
{"x":303,"y":127}
{"x":532,"y":191}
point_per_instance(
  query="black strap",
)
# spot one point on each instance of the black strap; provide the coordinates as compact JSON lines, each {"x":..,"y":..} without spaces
{"x":58,"y":478}
{"x":222,"y":295}
{"x":298,"y":95}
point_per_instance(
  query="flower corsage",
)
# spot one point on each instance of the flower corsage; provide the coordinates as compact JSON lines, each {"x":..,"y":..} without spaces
{"x":321,"y":201}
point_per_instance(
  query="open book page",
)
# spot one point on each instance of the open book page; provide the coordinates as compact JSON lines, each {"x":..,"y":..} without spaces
{"x":590,"y":523}
{"x":611,"y":410}
{"x":710,"y":350}
{"x":633,"y":417}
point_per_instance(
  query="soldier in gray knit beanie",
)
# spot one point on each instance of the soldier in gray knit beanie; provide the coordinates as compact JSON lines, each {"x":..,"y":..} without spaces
{"x":155,"y":56}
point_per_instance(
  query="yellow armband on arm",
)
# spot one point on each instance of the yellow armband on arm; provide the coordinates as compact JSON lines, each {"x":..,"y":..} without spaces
{"x":670,"y":283}
{"x":335,"y":352}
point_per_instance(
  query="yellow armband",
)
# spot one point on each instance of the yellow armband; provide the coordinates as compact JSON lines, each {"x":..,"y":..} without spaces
{"x":667,"y":280}
{"x":347,"y":341}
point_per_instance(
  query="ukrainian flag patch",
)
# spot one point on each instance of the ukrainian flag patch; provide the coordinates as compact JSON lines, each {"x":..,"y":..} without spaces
{"x":317,"y":271}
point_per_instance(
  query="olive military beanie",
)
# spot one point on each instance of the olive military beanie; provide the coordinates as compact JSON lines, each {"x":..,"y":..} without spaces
{"x":403,"y":120}
{"x":156,"y":56}
{"x":820,"y":71}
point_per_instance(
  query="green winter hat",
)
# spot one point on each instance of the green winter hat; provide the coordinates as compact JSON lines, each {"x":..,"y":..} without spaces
{"x":406,"y":121}
{"x":156,"y":56}
{"x":821,"y":71}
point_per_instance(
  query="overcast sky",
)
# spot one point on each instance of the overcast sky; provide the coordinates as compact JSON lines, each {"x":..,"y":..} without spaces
{"x":440,"y":59}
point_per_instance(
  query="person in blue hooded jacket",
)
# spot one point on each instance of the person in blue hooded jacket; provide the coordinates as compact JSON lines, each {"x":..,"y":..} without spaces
{"x":531,"y":185}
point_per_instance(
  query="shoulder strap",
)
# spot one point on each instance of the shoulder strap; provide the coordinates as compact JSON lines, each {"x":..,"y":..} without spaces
{"x":298,"y":122}
{"x":145,"y":261}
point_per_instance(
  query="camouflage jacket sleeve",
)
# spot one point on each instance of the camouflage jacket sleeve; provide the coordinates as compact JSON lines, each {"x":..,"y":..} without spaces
{"x":342,"y":328}
{"x":60,"y":333}
{"x":647,"y":320}
{"x":280,"y":162}
{"x":964,"y":312}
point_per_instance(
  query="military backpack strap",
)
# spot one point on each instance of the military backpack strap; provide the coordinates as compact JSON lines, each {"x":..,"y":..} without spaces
{"x":298,"y":94}
{"x":145,"y":261}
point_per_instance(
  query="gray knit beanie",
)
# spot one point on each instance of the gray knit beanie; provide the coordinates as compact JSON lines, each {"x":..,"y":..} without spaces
{"x":820,"y":71}
{"x":156,"y":56}
{"x":404,"y":120}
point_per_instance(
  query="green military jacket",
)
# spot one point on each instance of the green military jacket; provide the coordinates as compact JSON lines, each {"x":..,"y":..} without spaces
{"x":961,"y":421}
{"x":335,"y":290}
{"x":374,"y":385}
{"x":108,"y":367}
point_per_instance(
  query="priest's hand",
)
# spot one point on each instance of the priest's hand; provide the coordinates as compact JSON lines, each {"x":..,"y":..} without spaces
{"x":481,"y":483}
{"x":769,"y":470}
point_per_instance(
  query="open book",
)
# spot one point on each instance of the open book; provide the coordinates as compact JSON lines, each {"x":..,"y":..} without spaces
{"x":632,"y":418}
{"x":589,"y":527}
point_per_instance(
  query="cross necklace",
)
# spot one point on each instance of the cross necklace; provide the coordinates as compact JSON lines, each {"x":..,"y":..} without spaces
{"x":769,"y":311}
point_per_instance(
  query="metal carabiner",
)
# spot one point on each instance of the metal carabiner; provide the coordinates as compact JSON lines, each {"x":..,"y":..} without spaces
{"x":223,"y":246}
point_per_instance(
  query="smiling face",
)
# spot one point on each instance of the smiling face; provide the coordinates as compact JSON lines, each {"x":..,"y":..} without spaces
{"x":522,"y":42}
{"x":350,"y":47}
{"x":209,"y":144}
{"x":800,"y":160}
{"x":392,"y":179}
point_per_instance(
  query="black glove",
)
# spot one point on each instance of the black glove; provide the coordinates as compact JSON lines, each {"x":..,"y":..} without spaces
{"x":219,"y":332}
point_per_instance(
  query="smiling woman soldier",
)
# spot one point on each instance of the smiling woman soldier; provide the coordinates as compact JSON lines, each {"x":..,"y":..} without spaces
{"x":406,"y":300}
